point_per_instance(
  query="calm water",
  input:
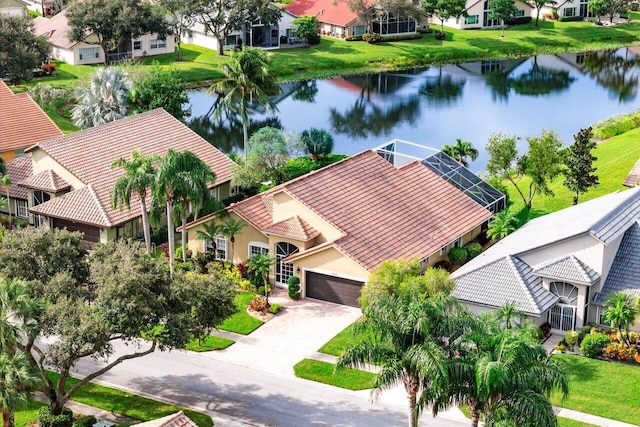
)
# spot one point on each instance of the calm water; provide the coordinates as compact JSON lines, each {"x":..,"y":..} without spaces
{"x":436,"y":105}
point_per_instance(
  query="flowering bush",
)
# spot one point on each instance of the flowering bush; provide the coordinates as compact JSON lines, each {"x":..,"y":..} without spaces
{"x":619,"y":351}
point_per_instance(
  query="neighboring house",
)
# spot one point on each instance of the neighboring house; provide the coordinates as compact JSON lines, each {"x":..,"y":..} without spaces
{"x":13,"y":8}
{"x":337,"y":20}
{"x":566,"y":8}
{"x":255,"y":35}
{"x":44,"y":7}
{"x":179,"y":419}
{"x":67,"y":181}
{"x":332,"y":227}
{"x":478,"y":12}
{"x":562,"y":267}
{"x":57,"y":27}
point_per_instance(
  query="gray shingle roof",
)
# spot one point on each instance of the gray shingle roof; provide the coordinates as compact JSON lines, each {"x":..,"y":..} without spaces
{"x":624,"y":275}
{"x":568,"y":268}
{"x":618,"y":220}
{"x":507,"y":279}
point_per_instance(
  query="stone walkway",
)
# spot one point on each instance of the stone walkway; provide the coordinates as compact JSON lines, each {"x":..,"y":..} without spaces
{"x":634,"y":176}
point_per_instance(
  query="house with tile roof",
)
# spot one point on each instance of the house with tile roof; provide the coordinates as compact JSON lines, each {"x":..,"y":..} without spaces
{"x":13,"y":8}
{"x":56,"y":30}
{"x":561,"y":268}
{"x":332,"y":227}
{"x":477,"y":16}
{"x":66,"y":181}
{"x":337,"y":20}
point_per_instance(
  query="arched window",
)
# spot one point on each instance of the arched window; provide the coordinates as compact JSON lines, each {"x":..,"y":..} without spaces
{"x":284,"y":270}
{"x":567,"y":293}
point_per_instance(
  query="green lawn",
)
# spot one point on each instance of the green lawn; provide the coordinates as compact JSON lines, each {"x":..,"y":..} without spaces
{"x":210,"y":343}
{"x":131,"y":405}
{"x":323,"y":372}
{"x":616,"y":156}
{"x":241,"y":322}
{"x":606,"y":389}
{"x":28,"y":415}
{"x":343,"y":340}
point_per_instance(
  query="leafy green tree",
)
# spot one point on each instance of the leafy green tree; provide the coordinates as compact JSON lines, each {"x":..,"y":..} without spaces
{"x":542,"y":163}
{"x":113,"y":21}
{"x":138,"y":180}
{"x":621,"y":312}
{"x":505,"y":377}
{"x":21,"y":51}
{"x":181,"y":176}
{"x":578,"y":158}
{"x":248,"y":81}
{"x":502,"y":224}
{"x":317,"y":142}
{"x":597,"y":7}
{"x":445,"y":9}
{"x":539,"y":4}
{"x":307,"y":28}
{"x":502,"y":10}
{"x":408,"y":338}
{"x":260,"y":265}
{"x":161,"y":89}
{"x":105,"y":99}
{"x":394,"y":277}
{"x":179,"y":17}
{"x":231,"y":228}
{"x":461,"y":151}
{"x":503,"y":159}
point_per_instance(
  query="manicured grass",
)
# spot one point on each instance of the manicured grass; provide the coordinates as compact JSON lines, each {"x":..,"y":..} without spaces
{"x":606,"y":389}
{"x":343,"y":340}
{"x":131,"y":405}
{"x":323,"y":372}
{"x":616,"y":156}
{"x":210,"y":343}
{"x":562,"y":422}
{"x":241,"y":322}
{"x":28,"y":415}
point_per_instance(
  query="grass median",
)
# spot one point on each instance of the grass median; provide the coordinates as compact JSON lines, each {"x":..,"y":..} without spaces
{"x":326,"y":373}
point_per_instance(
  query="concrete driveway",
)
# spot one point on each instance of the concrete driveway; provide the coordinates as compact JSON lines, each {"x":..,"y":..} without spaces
{"x":295,"y":333}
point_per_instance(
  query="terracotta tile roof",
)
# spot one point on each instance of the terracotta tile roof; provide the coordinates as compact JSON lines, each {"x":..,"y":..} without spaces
{"x":19,"y":169}
{"x":55,"y":29}
{"x":329,"y":11}
{"x":88,"y":154}
{"x":179,"y":419}
{"x":46,"y":181}
{"x":383,"y":212}
{"x":22,"y":121}
{"x":294,"y":228}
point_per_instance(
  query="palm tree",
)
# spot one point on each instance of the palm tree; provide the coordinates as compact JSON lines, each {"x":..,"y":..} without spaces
{"x":104,"y":100}
{"x":138,"y":179}
{"x":461,"y":151}
{"x":248,"y":80}
{"x":408,"y":338}
{"x":211,"y":230}
{"x":506,"y":377}
{"x":508,"y":314}
{"x":621,"y":312}
{"x":230,"y":228}
{"x":261,"y":265}
{"x":178,"y":172}
{"x":503,"y":224}
{"x":17,"y":382}
{"x":317,"y":142}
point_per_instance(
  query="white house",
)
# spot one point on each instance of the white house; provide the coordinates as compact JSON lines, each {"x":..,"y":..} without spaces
{"x":478,"y":12}
{"x":567,"y":8}
{"x":562,"y":267}
{"x":57,"y":27}
{"x":13,"y":7}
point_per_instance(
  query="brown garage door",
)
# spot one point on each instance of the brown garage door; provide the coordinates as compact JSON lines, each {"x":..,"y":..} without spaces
{"x":91,"y":234}
{"x":334,"y":289}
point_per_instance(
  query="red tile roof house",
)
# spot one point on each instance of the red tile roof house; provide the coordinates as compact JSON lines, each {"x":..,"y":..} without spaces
{"x":67,"y":181}
{"x":337,"y":20}
{"x":334,"y":226}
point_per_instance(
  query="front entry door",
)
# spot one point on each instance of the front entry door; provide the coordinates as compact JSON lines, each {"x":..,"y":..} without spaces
{"x":284,"y":270}
{"x":562,"y":317}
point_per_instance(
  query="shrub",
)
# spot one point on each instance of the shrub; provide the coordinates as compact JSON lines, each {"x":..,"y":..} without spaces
{"x":159,"y":235}
{"x":5,"y":221}
{"x":202,"y":260}
{"x":371,"y":38}
{"x":86,"y":421}
{"x":545,"y":328}
{"x":619,"y":351}
{"x":354,"y":38}
{"x":571,"y":338}
{"x":561,"y":348}
{"x":275,"y":308}
{"x":399,"y":37}
{"x":424,"y":30}
{"x":258,"y":304}
{"x":444,"y":264}
{"x":294,"y":287}
{"x":441,"y":35}
{"x":20,"y":223}
{"x":593,"y":344}
{"x":165,"y":249}
{"x":46,"y":419}
{"x":570,"y":18}
{"x":185,"y":266}
{"x":473,"y":250}
{"x":457,"y":255}
{"x":48,"y":68}
{"x":616,"y":125}
{"x":636,"y":357}
{"x":179,"y":253}
{"x":520,"y":20}
{"x":303,"y":165}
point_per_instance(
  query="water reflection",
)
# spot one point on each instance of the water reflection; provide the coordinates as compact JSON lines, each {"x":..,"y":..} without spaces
{"x":437,"y":105}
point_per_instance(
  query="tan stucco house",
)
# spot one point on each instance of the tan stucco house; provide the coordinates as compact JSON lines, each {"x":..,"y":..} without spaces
{"x":13,"y":8}
{"x":332,"y":227}
{"x":66,"y":181}
{"x":562,"y":267}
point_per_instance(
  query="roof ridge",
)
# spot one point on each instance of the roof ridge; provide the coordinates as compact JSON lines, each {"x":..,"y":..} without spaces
{"x":521,"y":280}
{"x":580,"y":266}
{"x":99,"y":205}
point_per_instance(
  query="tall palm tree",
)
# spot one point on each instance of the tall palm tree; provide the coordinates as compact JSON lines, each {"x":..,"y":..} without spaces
{"x":503,"y":224}
{"x":138,"y":179}
{"x":621,"y":312}
{"x":261,"y":265}
{"x":505,"y":377}
{"x":209,"y":232}
{"x":230,"y":228}
{"x":248,"y":80}
{"x":178,"y":172}
{"x":408,"y":338}
{"x":104,"y":100}
{"x":317,"y":142}
{"x":508,"y":315}
{"x":461,"y":151}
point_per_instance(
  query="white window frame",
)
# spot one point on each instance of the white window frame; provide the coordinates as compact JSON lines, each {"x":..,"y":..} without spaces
{"x":221,"y":247}
{"x":458,"y":242}
{"x":358,"y":28}
{"x":22,"y":208}
{"x":443,"y":250}
{"x":519,"y":13}
{"x":263,"y":249}
{"x":567,"y":9}
{"x":226,"y":39}
{"x":139,"y":43}
{"x":467,"y":20}
{"x":424,"y":261}
{"x":158,"y":44}
{"x":89,"y":53}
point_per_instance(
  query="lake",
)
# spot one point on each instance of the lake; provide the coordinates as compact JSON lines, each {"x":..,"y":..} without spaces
{"x":436,"y":105}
